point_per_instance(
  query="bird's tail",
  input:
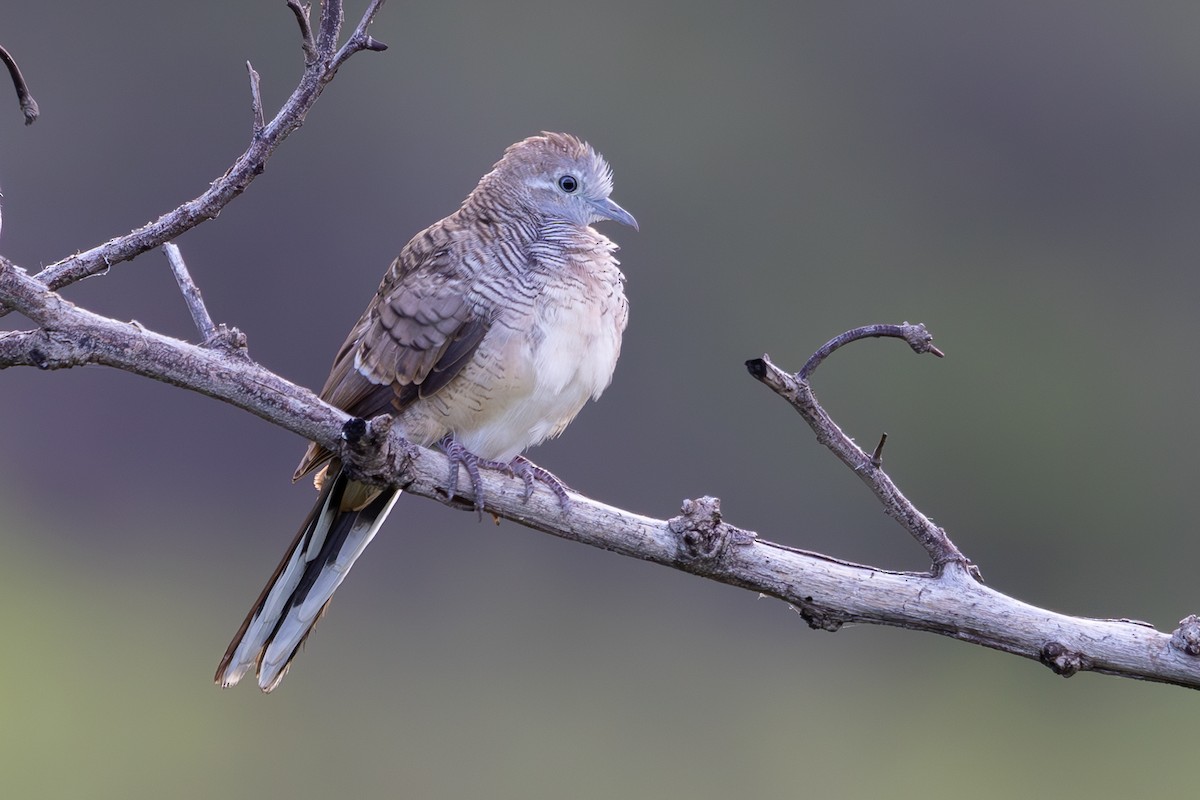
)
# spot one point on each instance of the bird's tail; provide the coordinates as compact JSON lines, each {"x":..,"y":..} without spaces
{"x":345,"y":518}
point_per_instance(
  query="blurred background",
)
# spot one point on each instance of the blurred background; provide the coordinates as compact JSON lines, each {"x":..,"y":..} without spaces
{"x":1021,"y":176}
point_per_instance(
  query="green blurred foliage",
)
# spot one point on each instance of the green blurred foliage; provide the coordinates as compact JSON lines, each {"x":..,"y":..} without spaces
{"x":1019,"y":176}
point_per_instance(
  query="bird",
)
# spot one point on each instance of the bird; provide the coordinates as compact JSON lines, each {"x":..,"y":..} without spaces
{"x":487,"y":335}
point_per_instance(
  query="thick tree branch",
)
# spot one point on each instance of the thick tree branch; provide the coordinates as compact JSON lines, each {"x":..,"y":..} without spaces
{"x":318,"y":71}
{"x":70,"y":336}
{"x":825,"y":591}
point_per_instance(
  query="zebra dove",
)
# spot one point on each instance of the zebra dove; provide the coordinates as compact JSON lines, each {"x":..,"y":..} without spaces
{"x":487,"y":335}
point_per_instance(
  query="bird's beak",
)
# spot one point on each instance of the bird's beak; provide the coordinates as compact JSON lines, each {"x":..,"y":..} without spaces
{"x":607,"y":209}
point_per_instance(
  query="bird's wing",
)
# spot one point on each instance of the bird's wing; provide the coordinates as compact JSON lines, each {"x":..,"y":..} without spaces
{"x":417,"y":334}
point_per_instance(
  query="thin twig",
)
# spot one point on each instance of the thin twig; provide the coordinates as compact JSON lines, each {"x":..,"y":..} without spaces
{"x":306,"y":35}
{"x":917,"y":337}
{"x":877,"y":455}
{"x":29,"y":106}
{"x":191,"y":294}
{"x":256,"y":103}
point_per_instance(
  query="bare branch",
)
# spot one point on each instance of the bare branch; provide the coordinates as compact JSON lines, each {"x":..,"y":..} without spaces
{"x":827,"y":592}
{"x":798,"y":392}
{"x":28,"y":296}
{"x":232,"y":183}
{"x":29,"y":106}
{"x":191,"y":294}
{"x":71,"y":336}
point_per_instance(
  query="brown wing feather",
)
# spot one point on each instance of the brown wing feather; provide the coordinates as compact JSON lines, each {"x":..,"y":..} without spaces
{"x":454,"y":356}
{"x":416,"y":335}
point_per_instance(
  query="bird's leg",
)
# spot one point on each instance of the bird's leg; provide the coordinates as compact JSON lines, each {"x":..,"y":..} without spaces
{"x":460,"y":455}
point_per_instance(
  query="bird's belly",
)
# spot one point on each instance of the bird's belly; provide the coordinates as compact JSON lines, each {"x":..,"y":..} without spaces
{"x":525,"y":387}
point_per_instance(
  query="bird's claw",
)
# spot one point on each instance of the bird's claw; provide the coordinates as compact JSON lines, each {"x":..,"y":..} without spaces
{"x":520,"y":467}
{"x":461,"y":456}
{"x":529,"y":472}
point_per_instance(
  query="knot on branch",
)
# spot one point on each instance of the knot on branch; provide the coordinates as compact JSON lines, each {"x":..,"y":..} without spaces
{"x":39,"y":348}
{"x":701,"y":537}
{"x":818,"y":617}
{"x":919,"y":339}
{"x":42,"y":360}
{"x":1061,"y":659}
{"x":368,"y":450}
{"x":230,"y":341}
{"x":1186,"y":638}
{"x":757,"y":368}
{"x":950,"y":560}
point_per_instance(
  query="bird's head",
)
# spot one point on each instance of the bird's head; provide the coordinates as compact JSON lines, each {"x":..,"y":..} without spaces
{"x":561,"y":177}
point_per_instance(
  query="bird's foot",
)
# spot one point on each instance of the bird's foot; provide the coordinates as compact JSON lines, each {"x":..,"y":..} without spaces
{"x":461,"y":456}
{"x":529,"y":472}
{"x":520,"y":467}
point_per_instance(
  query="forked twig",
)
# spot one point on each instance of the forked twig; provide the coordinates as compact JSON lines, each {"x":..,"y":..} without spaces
{"x":797,"y":391}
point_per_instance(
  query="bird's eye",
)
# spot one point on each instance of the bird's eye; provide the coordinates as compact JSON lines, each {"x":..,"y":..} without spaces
{"x":568,"y":184}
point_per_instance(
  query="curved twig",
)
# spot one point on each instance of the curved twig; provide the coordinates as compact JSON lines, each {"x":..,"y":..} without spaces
{"x":29,"y":106}
{"x":917,"y":337}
